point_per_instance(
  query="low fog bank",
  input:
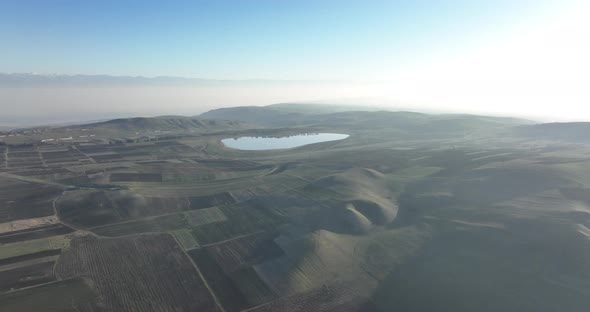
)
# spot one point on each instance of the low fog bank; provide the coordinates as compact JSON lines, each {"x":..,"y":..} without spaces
{"x":26,"y":106}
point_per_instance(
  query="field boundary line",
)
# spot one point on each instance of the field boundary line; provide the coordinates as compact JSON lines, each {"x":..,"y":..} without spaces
{"x":151,"y":217}
{"x":217,"y":302}
{"x":31,"y":180}
{"x":38,"y":285}
{"x":54,"y":203}
{"x":133,"y":220}
{"x":6,"y":157}
{"x":74,"y":147}
{"x":42,"y":158}
{"x":233,"y":238}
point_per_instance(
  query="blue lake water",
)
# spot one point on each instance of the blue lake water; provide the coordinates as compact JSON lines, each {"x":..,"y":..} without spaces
{"x":268,"y":143}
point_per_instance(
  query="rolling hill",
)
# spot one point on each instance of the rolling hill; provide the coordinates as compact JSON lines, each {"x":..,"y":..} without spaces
{"x":405,"y":123}
{"x":557,"y":131}
{"x":167,"y":123}
{"x":135,"y":213}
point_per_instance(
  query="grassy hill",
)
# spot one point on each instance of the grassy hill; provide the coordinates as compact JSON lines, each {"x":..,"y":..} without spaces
{"x":169,"y":123}
{"x":453,"y":208}
{"x":408,"y":123}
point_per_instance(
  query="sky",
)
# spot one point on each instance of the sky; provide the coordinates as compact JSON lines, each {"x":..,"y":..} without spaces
{"x":503,"y":57}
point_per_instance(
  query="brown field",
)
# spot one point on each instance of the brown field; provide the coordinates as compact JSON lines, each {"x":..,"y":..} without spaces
{"x":20,"y":225}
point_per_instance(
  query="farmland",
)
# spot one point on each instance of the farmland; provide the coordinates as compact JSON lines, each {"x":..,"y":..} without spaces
{"x":158,"y":215}
{"x":149,"y":272}
{"x":68,"y":295}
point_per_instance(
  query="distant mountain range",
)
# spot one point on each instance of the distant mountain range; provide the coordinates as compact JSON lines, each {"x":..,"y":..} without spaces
{"x":40,"y":80}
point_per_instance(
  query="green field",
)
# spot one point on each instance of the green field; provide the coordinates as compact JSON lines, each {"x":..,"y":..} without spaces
{"x":32,"y":246}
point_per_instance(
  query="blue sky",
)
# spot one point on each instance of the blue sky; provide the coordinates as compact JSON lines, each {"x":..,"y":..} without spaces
{"x":241,"y":39}
{"x":525,"y":58}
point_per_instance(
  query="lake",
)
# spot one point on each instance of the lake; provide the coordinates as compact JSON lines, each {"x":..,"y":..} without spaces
{"x":269,"y":143}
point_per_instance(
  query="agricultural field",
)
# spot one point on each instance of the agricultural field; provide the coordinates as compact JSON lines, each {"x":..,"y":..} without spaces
{"x":140,"y":273}
{"x":19,"y":193}
{"x":159,"y":215}
{"x":67,"y":295}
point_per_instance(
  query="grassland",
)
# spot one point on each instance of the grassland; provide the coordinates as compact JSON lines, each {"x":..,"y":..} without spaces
{"x":157,"y":215}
